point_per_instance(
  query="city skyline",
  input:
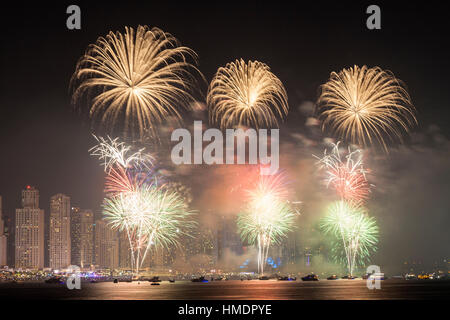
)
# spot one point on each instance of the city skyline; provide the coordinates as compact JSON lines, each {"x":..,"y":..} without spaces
{"x":94,"y":245}
{"x":103,"y":247}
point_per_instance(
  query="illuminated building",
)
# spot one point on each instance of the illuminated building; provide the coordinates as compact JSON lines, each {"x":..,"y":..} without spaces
{"x":30,"y":197}
{"x":59,"y":245}
{"x":82,"y":237}
{"x":228,"y":238}
{"x":200,"y":247}
{"x":292,"y":249}
{"x":124,"y":251}
{"x":3,"y":240}
{"x":106,"y":246}
{"x":29,"y":233}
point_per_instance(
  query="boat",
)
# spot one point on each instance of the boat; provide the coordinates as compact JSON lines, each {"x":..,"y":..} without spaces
{"x":116,"y":281}
{"x":155,"y":284}
{"x":374,"y":276}
{"x":154,"y":279}
{"x":171,"y":280}
{"x":349,"y":277}
{"x":54,"y":280}
{"x":333,"y":277}
{"x":201,"y":279}
{"x":377,"y":276}
{"x":263,"y":278}
{"x":136,"y":278}
{"x":311,"y":277}
{"x":287,"y":279}
{"x":410,"y":276}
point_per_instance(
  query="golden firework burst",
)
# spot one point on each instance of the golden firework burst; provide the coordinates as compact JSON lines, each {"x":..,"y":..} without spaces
{"x":366,"y":105}
{"x":140,"y":77}
{"x":246,"y":94}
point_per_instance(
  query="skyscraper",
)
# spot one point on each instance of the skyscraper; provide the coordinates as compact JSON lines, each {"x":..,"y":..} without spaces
{"x":29,"y":234}
{"x":199,"y":250}
{"x":82,"y":237}
{"x":124,"y":251}
{"x":228,"y":238}
{"x":106,"y":246}
{"x":30,"y":197}
{"x":59,"y":253}
{"x":3,"y":242}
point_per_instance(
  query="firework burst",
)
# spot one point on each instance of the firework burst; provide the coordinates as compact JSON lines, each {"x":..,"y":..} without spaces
{"x":115,"y":153}
{"x":366,"y":105}
{"x":346,"y":176}
{"x":139,"y":75}
{"x":152,"y":217}
{"x":152,"y":214}
{"x":354,"y":233}
{"x":120,"y":180}
{"x":267,"y":218}
{"x":246,"y":94}
{"x":273,"y":186}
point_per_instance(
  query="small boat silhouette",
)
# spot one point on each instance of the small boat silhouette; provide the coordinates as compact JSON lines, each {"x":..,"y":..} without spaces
{"x":201,"y":279}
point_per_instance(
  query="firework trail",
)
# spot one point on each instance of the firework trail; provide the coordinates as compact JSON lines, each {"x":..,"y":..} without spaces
{"x":120,"y":180}
{"x":267,"y":218}
{"x":366,"y":105}
{"x":355,"y":233}
{"x":139,"y":75}
{"x":114,"y":153}
{"x":152,"y":214}
{"x":346,"y":175}
{"x":246,"y":94}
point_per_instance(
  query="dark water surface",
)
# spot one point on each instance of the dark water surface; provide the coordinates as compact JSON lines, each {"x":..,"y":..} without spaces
{"x":234,"y":290}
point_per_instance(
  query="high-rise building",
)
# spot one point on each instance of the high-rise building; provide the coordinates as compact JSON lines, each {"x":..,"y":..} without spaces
{"x":198,"y":249}
{"x":30,"y":197}
{"x":59,"y":244}
{"x":9,"y":229}
{"x":291,"y":249}
{"x":3,"y":239}
{"x":75,"y":236}
{"x":228,"y":238}
{"x":82,"y":237}
{"x":124,"y":251}
{"x":106,"y":246}
{"x":29,"y":233}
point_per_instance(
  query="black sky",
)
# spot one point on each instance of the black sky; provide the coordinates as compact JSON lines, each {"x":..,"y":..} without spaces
{"x":44,"y":142}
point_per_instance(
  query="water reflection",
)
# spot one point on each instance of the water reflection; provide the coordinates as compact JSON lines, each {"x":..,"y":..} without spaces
{"x":236,"y":290}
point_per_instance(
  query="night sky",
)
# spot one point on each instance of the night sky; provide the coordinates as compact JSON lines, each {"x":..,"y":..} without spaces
{"x":44,"y":141}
